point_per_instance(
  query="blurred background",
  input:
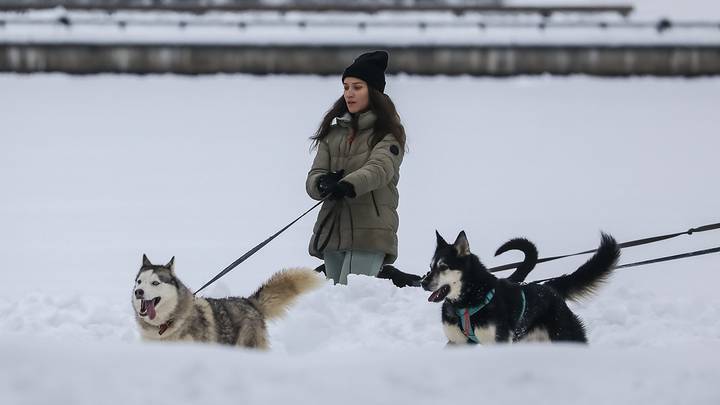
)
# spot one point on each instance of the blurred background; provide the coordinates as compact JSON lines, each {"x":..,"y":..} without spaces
{"x":427,"y":37}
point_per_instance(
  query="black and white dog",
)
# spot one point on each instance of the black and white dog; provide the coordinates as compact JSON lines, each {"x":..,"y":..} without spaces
{"x":480,"y":308}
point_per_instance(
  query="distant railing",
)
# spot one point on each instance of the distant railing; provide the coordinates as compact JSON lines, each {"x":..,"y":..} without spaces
{"x":241,"y":22}
{"x":545,"y":11}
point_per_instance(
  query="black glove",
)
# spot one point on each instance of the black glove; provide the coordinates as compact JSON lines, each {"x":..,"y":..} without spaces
{"x":341,"y":190}
{"x":399,"y":278}
{"x":326,"y":182}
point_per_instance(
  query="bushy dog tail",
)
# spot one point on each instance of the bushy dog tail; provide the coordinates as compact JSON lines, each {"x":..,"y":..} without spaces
{"x":584,"y":281}
{"x":531,"y":257}
{"x":282,"y":289}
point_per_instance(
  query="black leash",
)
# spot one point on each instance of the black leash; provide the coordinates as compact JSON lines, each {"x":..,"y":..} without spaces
{"x":658,"y":260}
{"x":668,"y":258}
{"x":336,"y":214}
{"x":632,"y":243}
{"x":256,"y":248}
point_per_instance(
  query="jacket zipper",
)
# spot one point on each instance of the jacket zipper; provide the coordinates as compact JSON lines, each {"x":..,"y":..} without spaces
{"x":377,"y":211}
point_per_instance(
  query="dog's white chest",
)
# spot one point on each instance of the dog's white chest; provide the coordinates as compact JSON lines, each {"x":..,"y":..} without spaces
{"x":485,"y":334}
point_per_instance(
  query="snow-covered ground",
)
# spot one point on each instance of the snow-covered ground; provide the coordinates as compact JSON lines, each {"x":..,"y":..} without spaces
{"x":96,"y":171}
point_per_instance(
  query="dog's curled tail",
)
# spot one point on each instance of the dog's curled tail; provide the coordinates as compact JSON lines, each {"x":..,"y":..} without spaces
{"x":584,"y":281}
{"x":274,"y":297}
{"x":531,"y":257}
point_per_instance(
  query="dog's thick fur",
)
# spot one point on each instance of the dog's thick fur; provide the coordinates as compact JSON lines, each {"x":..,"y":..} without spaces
{"x":165,"y":309}
{"x":528,"y":263}
{"x":459,"y":278}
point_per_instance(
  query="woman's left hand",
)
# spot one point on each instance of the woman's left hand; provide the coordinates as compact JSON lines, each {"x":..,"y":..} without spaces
{"x":341,"y":190}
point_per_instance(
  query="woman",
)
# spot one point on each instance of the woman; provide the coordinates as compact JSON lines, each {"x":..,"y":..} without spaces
{"x":357,"y":168}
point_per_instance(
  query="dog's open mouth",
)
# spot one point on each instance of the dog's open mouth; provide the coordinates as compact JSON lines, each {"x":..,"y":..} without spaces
{"x":147,"y":307}
{"x":439,"y":294}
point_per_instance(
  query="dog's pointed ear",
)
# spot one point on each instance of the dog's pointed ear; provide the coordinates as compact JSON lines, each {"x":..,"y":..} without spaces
{"x":171,"y":264}
{"x":462,"y":245}
{"x":440,"y":241}
{"x":146,"y":262}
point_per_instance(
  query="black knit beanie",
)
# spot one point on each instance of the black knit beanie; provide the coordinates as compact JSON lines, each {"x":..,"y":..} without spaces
{"x":369,"y":67}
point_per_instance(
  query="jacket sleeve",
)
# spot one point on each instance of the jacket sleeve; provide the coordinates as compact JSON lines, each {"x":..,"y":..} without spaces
{"x":320,"y":166}
{"x":382,"y":165}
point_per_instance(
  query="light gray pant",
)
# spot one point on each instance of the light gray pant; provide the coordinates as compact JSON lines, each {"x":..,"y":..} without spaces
{"x":338,"y":264}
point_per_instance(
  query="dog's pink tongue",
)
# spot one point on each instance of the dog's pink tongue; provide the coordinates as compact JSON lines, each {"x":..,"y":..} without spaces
{"x":434,"y":297}
{"x":151,"y":309}
{"x":439,"y":294}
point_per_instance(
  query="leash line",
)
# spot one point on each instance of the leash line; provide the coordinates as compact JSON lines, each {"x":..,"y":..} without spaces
{"x":256,"y":248}
{"x":632,"y":243}
{"x":334,"y":213}
{"x":658,"y":260}
{"x":673,"y":257}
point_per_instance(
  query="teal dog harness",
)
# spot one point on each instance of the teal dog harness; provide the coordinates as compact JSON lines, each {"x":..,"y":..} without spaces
{"x":466,"y":325}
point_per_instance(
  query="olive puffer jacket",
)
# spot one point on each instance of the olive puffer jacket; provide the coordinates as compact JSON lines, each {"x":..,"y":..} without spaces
{"x":374,"y":172}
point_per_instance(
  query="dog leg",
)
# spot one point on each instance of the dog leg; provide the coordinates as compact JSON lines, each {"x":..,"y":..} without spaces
{"x":502,"y":335}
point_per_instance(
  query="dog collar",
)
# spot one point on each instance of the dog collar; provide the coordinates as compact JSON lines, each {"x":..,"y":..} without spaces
{"x":165,"y":326}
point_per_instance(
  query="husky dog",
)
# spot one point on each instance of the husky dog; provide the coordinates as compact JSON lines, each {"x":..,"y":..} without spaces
{"x":165,"y":309}
{"x":480,"y":308}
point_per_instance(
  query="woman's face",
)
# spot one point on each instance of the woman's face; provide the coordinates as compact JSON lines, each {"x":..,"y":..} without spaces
{"x":356,"y":94}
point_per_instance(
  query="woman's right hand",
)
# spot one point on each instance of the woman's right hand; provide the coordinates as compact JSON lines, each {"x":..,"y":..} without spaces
{"x":327,"y":182}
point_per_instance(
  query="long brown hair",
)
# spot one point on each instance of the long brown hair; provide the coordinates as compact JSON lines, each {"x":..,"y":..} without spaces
{"x":387,"y":121}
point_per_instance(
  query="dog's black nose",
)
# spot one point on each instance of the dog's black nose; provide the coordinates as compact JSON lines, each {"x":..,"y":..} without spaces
{"x":139,"y":293}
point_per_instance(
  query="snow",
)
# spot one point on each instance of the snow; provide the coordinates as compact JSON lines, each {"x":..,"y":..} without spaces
{"x":212,"y":376}
{"x":209,"y":376}
{"x":98,"y":170}
{"x":695,"y":22}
